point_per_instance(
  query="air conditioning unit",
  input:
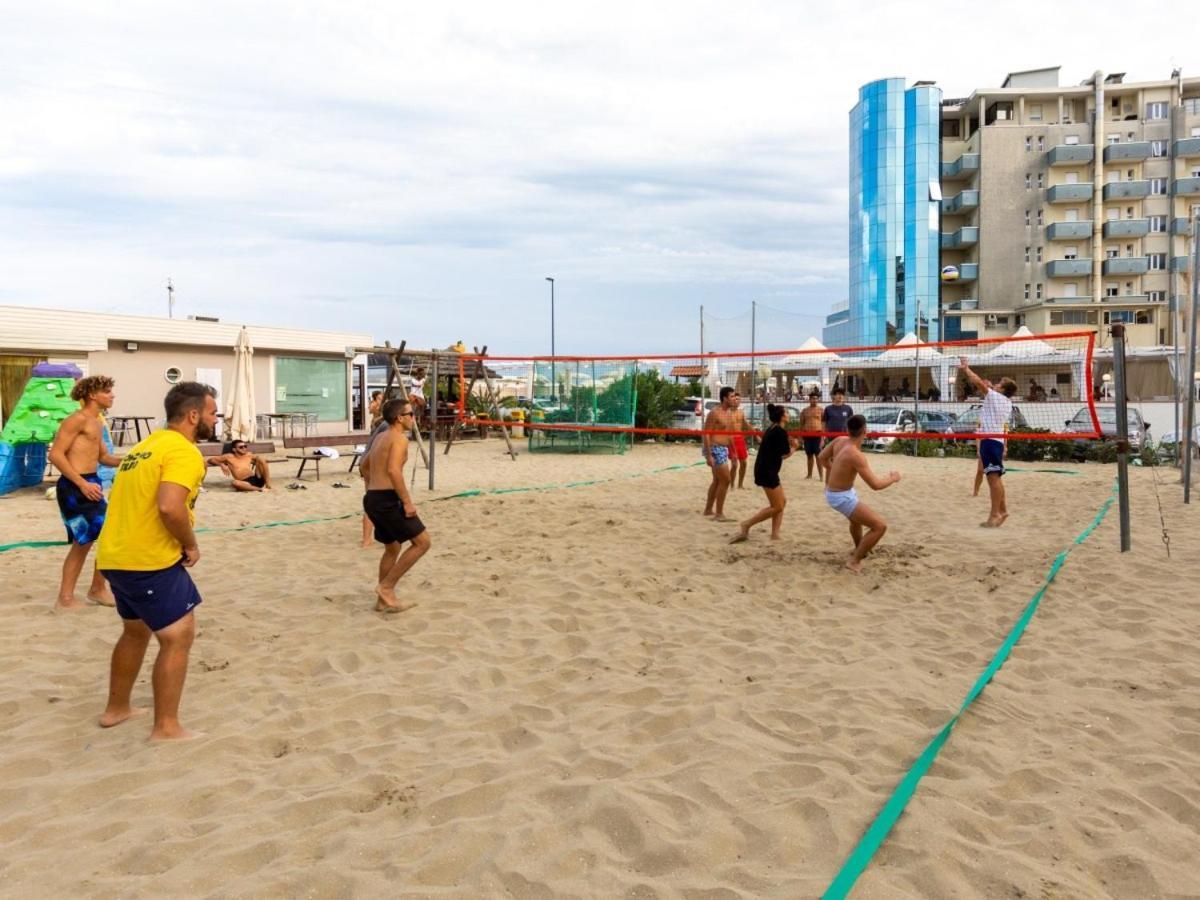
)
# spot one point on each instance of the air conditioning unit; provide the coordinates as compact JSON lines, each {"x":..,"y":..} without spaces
{"x":989,"y":320}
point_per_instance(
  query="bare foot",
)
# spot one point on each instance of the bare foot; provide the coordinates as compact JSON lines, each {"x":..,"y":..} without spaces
{"x":741,"y":537}
{"x":109,"y":719}
{"x":721,"y":518}
{"x":388,"y":602}
{"x":176,"y":734}
{"x":854,"y":565}
{"x":105,"y":599}
{"x":988,"y":523}
{"x":1000,"y":519}
{"x":708,"y":512}
{"x":68,"y":603}
{"x":775,"y":537}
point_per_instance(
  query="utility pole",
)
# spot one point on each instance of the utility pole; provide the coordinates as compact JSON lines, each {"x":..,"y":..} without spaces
{"x":170,"y":299}
{"x":703,"y":379}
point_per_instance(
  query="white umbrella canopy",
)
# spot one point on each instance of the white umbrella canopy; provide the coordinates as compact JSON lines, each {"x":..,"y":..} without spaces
{"x":907,"y":348}
{"x":811,"y":355}
{"x":239,"y":422}
{"x":1024,"y":349}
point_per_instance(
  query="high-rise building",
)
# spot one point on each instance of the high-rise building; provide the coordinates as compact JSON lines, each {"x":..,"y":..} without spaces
{"x":894,"y":196}
{"x":1053,"y":217}
{"x":1062,"y":220}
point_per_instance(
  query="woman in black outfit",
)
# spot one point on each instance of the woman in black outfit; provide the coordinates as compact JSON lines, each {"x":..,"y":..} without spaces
{"x":774,"y":448}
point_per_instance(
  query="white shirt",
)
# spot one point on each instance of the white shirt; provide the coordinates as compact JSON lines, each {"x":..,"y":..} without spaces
{"x":995,"y":415}
{"x":417,"y":385}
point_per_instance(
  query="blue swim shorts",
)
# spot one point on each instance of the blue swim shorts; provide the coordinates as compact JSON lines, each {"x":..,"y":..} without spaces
{"x":82,"y":517}
{"x":991,"y":452}
{"x":159,"y":598}
{"x":844,"y":502}
{"x":720,"y":454}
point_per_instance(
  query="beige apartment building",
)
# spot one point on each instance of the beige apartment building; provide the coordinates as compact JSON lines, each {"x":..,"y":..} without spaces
{"x":1061,"y":220}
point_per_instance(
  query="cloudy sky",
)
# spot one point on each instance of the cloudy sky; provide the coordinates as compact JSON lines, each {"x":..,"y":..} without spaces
{"x":417,"y":170}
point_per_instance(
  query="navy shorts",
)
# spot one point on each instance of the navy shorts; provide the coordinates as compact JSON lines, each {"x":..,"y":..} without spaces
{"x":991,"y":452}
{"x":82,"y":517}
{"x":159,"y":598}
{"x":812,"y":446}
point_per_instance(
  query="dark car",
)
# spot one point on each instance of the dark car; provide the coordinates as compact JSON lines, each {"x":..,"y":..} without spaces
{"x":969,"y":421}
{"x":1138,"y":427}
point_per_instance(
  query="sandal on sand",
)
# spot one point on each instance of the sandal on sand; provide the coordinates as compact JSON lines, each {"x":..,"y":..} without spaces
{"x":339,"y":484}
{"x":296,"y":486}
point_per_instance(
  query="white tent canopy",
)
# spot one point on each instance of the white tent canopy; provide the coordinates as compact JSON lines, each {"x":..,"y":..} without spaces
{"x":907,"y":348}
{"x":1028,"y":349}
{"x":812,"y":354}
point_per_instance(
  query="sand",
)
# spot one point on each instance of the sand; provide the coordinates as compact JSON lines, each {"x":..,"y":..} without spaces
{"x":600,"y":697}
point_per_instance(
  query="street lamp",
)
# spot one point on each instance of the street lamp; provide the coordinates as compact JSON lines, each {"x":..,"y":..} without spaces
{"x":553,"y":381}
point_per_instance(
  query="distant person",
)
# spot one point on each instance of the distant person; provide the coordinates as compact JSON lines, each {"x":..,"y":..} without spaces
{"x":776,"y":446}
{"x":373,"y":408}
{"x":390,"y":507}
{"x":416,"y":391}
{"x":77,"y":452}
{"x":994,"y":418}
{"x":811,"y":419}
{"x":844,"y":461}
{"x":249,"y":471}
{"x":738,"y":454}
{"x":716,"y":454}
{"x":146,"y":548}
{"x":837,"y":414}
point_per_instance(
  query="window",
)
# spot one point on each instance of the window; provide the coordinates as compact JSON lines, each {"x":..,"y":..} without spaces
{"x":1040,"y":181}
{"x":1158,"y":185}
{"x":1118,"y":317}
{"x":1158,"y":262}
{"x":1035,"y":112}
{"x":1073,"y":317}
{"x":1196,"y":131}
{"x":311,"y":386}
{"x":1192,"y":107}
{"x":1158,"y":224}
{"x":1039,"y":218}
{"x":1026,"y":291}
{"x":1070,"y":253}
{"x":1039,"y":254}
{"x":1071,"y":289}
{"x":1143,"y":317}
{"x":1028,"y":181}
{"x":1112,"y":252}
{"x":1026,"y":217}
{"x":1158,"y":148}
{"x":1156,"y":296}
{"x":1110,"y":290}
{"x":1129,"y":174}
{"x":1041,"y":142}
{"x":1129,"y":250}
{"x":1196,"y":171}
{"x":1129,"y":212}
{"x":1112,"y":214}
{"x":1027,"y":249}
{"x":1038,"y":291}
{"x":1071,"y":140}
{"x":1002,"y":321}
{"x":1113,"y":139}
{"x":1156,"y":110}
{"x":1028,"y":144}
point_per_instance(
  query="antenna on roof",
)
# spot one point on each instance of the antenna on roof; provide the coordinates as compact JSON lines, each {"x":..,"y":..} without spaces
{"x":170,"y":300}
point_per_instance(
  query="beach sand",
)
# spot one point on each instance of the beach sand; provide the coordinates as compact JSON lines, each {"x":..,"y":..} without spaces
{"x":600,"y":697}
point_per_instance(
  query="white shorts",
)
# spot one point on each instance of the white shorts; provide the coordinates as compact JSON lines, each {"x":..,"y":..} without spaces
{"x":844,"y":502}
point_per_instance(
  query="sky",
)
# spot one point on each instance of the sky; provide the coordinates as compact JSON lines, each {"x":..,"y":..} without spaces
{"x":416,"y":171}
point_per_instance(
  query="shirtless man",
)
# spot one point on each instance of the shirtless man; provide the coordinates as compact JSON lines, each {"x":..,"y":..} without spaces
{"x":811,"y":419}
{"x":844,"y":461}
{"x":77,"y":452}
{"x":716,"y":454}
{"x":389,"y":506}
{"x":738,"y":454}
{"x":249,"y":471}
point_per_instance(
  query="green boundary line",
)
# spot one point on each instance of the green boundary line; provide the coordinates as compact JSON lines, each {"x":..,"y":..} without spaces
{"x":860,"y":857}
{"x":41,"y":545}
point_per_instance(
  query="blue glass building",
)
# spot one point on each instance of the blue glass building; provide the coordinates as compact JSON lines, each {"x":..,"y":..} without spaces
{"x":895,"y":194}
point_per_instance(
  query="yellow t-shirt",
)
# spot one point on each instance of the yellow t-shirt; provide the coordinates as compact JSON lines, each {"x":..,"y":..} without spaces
{"x":134,"y":536}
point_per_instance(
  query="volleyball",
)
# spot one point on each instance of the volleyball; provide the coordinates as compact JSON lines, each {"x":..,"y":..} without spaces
{"x":950,"y":273}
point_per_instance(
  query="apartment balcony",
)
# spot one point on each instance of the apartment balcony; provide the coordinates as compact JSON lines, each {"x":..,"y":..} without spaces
{"x":959,"y":202}
{"x":1187,"y":187}
{"x":1071,"y":154}
{"x":1071,"y":193}
{"x":1181,"y":226}
{"x":963,"y":167}
{"x":1127,"y":190}
{"x":1126,"y":265}
{"x":1181,"y":264}
{"x":1069,"y":231}
{"x":1126,"y":228}
{"x":964,"y":237}
{"x":966,"y":304}
{"x":1188,"y":147}
{"x":1131,"y":152}
{"x":968,"y":272}
{"x":1068,"y":268}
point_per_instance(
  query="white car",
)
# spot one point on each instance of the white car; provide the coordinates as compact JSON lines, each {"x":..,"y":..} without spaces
{"x":692,"y":412}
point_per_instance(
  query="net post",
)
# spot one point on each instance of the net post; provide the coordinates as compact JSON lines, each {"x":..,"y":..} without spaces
{"x":1189,"y":380}
{"x":433,"y":403}
{"x":1118,"y":337}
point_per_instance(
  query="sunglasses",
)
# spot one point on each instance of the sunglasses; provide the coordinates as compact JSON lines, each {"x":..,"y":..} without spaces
{"x":239,"y":447}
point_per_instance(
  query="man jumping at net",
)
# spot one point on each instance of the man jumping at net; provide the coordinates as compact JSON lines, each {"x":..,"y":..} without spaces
{"x":716,"y":454}
{"x":994,"y":418}
{"x":844,"y":461}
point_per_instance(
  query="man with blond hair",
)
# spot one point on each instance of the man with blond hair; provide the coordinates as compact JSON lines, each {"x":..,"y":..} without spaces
{"x":77,"y":452}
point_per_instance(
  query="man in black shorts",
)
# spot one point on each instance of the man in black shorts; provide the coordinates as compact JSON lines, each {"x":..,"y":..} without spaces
{"x":389,"y":506}
{"x":811,"y":424}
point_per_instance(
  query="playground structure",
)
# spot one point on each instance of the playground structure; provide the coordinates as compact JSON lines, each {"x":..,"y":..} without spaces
{"x":44,"y":403}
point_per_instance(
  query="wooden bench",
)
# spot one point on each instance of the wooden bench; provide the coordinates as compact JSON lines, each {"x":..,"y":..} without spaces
{"x":324,"y":440}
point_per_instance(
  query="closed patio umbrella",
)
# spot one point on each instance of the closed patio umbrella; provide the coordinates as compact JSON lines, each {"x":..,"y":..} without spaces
{"x":239,"y":424}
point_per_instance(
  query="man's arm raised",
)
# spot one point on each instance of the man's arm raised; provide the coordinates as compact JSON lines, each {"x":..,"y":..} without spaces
{"x":982,"y":383}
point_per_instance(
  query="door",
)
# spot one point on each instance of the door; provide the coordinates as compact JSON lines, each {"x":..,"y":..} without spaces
{"x":15,"y":372}
{"x":359,"y":393}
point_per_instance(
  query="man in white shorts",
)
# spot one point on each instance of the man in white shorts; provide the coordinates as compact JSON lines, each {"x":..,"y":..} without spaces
{"x":844,"y":461}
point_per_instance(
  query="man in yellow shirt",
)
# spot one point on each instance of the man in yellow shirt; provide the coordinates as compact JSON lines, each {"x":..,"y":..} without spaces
{"x":146,"y":547}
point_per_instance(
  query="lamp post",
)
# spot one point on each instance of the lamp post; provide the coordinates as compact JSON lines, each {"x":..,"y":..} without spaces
{"x":553,"y":380}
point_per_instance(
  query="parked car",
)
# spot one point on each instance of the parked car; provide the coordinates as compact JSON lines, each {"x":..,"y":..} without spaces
{"x":692,"y":412}
{"x":1166,"y":447}
{"x":969,"y":421}
{"x":1139,"y":429}
{"x":898,"y":420}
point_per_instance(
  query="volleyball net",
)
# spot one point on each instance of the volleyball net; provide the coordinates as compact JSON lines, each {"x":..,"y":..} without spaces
{"x":922,"y":390}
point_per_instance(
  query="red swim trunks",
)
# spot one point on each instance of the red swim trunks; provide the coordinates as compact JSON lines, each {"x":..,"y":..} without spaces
{"x":737,"y":449}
